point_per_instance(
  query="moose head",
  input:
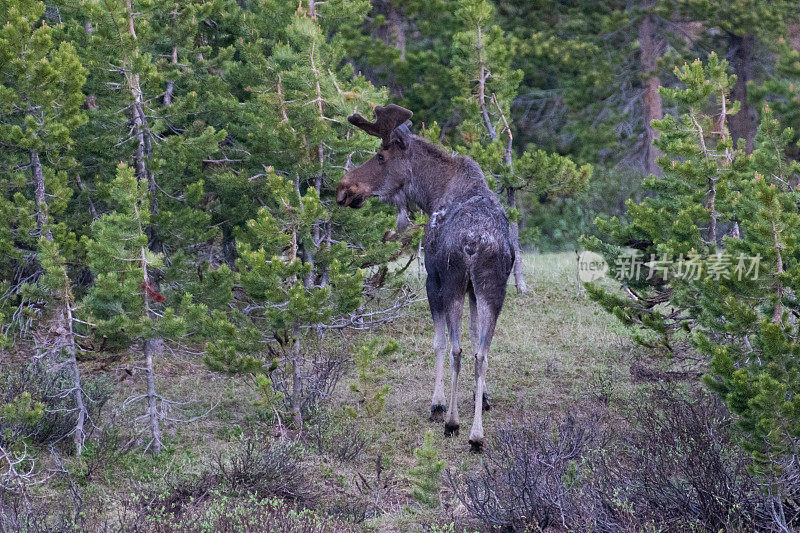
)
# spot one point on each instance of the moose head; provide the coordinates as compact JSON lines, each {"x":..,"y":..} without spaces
{"x":385,"y":174}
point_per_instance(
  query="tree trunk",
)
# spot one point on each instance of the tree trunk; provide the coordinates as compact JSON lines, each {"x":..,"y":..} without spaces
{"x":325,"y":277}
{"x":420,"y":267}
{"x":144,"y":149}
{"x":79,"y":435}
{"x":743,"y":123}
{"x":152,"y":398}
{"x":778,"y":288}
{"x":483,"y":74}
{"x":297,"y":360}
{"x":91,"y":99}
{"x":511,"y":198}
{"x":793,"y":33}
{"x":519,"y":274}
{"x":61,"y":340}
{"x":87,"y":24}
{"x":393,"y":31}
{"x":149,"y":348}
{"x":141,"y":158}
{"x":297,"y":379}
{"x":229,"y":246}
{"x":169,"y":92}
{"x":394,"y":22}
{"x":310,"y":251}
{"x":650,"y":47}
{"x":66,"y":340}
{"x":39,"y":194}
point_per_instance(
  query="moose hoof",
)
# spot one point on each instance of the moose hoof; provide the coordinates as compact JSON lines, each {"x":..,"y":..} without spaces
{"x":476,"y":446}
{"x":437,"y":413}
{"x":451,"y":430}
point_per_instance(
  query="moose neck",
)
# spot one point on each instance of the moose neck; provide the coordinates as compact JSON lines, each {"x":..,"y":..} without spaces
{"x":432,"y":173}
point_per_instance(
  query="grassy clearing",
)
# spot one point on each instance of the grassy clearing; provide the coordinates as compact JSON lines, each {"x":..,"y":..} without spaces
{"x":554,"y":352}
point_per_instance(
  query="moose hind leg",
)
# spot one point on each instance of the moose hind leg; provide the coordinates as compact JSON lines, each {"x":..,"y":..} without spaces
{"x":473,"y":340}
{"x":438,"y":408}
{"x":454,"y":315}
{"x":432,"y":286}
{"x":487,"y":319}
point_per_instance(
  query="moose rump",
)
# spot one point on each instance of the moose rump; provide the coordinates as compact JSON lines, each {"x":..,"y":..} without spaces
{"x":468,"y":254}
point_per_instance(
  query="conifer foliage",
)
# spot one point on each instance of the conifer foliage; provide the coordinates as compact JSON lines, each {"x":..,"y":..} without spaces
{"x":125,"y":304}
{"x":304,"y":265}
{"x":41,"y":82}
{"x":427,"y":475}
{"x":709,"y":262}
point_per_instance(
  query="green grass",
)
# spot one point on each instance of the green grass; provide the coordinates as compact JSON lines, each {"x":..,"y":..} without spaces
{"x":554,"y":352}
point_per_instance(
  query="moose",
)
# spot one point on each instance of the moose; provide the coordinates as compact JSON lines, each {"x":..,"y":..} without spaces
{"x":468,"y":249}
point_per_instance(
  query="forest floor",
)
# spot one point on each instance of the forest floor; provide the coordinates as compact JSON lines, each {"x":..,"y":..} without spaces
{"x":554,"y":353}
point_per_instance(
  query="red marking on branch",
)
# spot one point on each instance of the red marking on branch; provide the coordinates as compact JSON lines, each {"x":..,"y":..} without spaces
{"x":151,"y":291}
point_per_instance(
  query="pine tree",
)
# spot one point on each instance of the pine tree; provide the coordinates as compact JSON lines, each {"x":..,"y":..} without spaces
{"x":417,"y":71}
{"x":745,"y":25}
{"x":124,"y":302}
{"x":295,"y":264}
{"x":125,"y":305}
{"x":580,"y":82}
{"x":718,"y":259}
{"x":426,"y":477}
{"x":748,"y":331}
{"x":683,"y":219}
{"x":40,"y":98}
{"x":285,"y":286}
{"x":780,"y":89}
{"x":371,"y":394}
{"x":489,"y":85}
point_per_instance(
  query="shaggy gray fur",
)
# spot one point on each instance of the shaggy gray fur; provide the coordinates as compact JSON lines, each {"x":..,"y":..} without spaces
{"x":468,"y":249}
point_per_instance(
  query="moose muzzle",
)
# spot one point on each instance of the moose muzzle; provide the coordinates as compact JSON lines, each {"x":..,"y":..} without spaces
{"x":350,"y":194}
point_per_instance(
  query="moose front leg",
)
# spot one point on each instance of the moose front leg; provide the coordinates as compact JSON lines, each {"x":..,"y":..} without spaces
{"x":438,"y":408}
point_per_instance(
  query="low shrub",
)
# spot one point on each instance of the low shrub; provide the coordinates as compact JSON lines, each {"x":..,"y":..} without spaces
{"x":679,"y":464}
{"x":530,"y":477}
{"x":51,"y":388}
{"x":264,"y":467}
{"x":675,"y":463}
{"x":336,"y":435}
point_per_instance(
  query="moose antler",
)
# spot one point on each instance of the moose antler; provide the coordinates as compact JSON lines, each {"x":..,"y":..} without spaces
{"x":386,"y":120}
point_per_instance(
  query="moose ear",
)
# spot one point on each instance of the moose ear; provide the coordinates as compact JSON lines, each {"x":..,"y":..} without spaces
{"x":402,"y":135}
